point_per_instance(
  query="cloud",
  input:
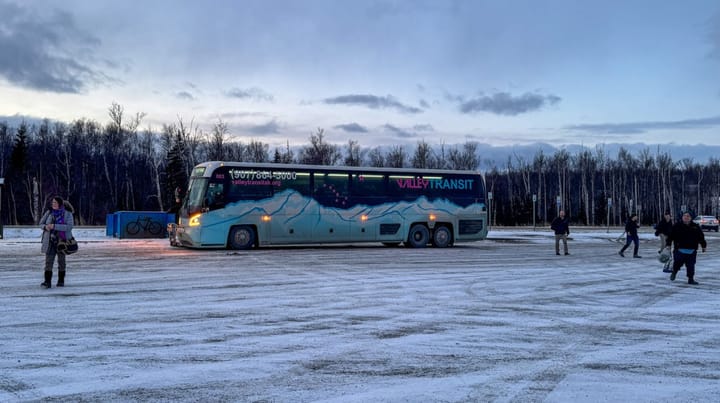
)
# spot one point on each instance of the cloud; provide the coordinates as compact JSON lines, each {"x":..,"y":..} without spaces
{"x":424,"y":128}
{"x":46,"y":52}
{"x":185,"y":95}
{"x":253,"y":94}
{"x":503,"y":103}
{"x":271,"y":127}
{"x":351,"y":128}
{"x":402,"y":133}
{"x":643,"y":127}
{"x":241,"y":115}
{"x":372,"y":102}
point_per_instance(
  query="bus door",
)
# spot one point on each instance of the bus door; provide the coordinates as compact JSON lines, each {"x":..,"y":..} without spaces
{"x":331,"y":192}
{"x":368,"y":195}
{"x":294,"y":214}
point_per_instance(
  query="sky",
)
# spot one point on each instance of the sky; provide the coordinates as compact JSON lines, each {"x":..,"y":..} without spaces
{"x":380,"y":72}
{"x":141,"y":321}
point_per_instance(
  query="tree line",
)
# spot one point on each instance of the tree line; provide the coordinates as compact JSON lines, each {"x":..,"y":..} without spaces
{"x":116,"y":166}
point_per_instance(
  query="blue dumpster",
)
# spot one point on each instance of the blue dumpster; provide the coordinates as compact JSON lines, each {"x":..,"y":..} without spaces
{"x":138,"y":224}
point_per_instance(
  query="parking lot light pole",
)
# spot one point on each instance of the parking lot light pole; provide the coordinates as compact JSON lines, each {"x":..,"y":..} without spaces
{"x":2,"y":183}
{"x":534,"y":202}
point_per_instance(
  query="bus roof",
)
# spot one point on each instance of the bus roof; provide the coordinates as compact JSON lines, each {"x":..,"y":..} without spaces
{"x":212,"y":165}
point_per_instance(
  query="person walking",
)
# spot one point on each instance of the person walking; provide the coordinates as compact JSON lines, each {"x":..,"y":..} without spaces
{"x":631,"y":228}
{"x":57,"y":223}
{"x":662,"y":229}
{"x":561,"y":226}
{"x":686,"y":236}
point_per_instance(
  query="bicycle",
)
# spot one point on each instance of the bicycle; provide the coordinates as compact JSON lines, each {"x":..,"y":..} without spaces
{"x":145,"y":224}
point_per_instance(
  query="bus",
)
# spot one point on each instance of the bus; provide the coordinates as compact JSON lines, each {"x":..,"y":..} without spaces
{"x":238,"y":205}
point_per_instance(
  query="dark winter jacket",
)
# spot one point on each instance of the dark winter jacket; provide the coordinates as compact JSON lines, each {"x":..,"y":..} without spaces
{"x":686,"y":236}
{"x":560,"y":226}
{"x":631,"y":227}
{"x":663,"y":227}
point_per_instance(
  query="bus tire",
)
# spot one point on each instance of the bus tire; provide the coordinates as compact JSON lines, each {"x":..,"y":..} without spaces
{"x":241,"y":237}
{"x":442,"y":237}
{"x":418,"y":237}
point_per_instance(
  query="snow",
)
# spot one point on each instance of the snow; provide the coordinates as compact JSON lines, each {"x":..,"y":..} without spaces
{"x":502,"y":320}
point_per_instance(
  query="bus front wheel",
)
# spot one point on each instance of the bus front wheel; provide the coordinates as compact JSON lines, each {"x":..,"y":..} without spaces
{"x":442,"y":237}
{"x":419,"y":236}
{"x":242,"y":237}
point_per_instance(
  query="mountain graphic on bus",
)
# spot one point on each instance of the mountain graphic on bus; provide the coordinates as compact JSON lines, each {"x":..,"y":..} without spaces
{"x":290,"y":215}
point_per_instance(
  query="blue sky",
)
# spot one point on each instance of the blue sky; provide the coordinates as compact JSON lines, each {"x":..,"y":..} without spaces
{"x":379,"y":72}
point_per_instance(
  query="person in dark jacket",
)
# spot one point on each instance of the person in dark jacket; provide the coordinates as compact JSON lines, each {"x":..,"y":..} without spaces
{"x":631,"y":227}
{"x":662,"y":229}
{"x":686,"y":236}
{"x":57,"y":223}
{"x":561,"y":226}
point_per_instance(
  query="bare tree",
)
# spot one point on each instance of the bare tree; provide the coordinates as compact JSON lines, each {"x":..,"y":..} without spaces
{"x":285,"y":157}
{"x":319,"y":152}
{"x":216,"y":151}
{"x":465,"y":159}
{"x":423,"y":156}
{"x":376,"y":157}
{"x":353,"y":158}
{"x":396,"y":157}
{"x":257,"y":151}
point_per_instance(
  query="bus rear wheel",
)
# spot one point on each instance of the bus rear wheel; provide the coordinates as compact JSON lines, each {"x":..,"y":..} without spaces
{"x":442,"y":237}
{"x":418,"y":237}
{"x":242,"y":237}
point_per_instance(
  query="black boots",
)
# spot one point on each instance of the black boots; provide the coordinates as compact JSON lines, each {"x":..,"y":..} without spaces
{"x":48,"y":279}
{"x":692,"y":281}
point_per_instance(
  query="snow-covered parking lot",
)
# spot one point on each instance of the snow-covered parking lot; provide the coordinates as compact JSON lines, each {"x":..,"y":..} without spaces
{"x":502,"y":320}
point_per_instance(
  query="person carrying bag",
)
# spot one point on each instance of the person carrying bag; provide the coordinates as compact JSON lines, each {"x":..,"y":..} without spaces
{"x":57,"y":224}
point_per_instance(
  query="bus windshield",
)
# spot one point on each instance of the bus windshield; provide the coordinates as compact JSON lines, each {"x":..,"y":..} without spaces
{"x":196,"y":195}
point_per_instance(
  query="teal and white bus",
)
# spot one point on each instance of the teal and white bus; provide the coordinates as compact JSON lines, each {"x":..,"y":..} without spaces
{"x":244,"y":205}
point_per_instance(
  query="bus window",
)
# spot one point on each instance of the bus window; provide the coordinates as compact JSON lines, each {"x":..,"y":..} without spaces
{"x":287,"y":180}
{"x":368,"y":189}
{"x":331,"y":190}
{"x":248,"y":184}
{"x":404,"y":187}
{"x":215,"y":197}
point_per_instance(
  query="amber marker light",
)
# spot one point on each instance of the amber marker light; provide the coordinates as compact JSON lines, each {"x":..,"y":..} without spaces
{"x":194,"y":220}
{"x":266,"y":218}
{"x":432,"y":217}
{"x":363,"y":218}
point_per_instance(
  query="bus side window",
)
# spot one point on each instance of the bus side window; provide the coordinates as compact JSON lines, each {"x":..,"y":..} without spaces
{"x":331,"y":190}
{"x":215,"y":198}
{"x":368,"y":189}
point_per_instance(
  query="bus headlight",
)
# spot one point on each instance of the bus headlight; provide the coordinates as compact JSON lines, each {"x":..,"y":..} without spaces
{"x":194,"y":220}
